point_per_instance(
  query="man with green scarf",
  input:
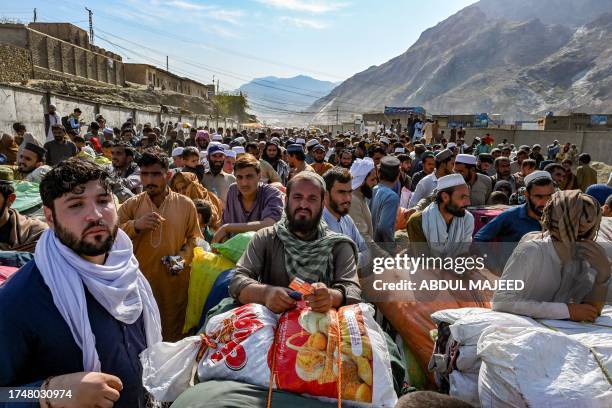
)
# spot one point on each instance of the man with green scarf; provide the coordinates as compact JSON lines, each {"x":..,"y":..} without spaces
{"x":299,"y":245}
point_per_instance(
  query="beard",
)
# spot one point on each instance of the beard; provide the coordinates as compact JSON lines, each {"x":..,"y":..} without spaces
{"x":79,"y":246}
{"x":455,"y":210}
{"x":536,"y":210}
{"x":303,"y":225}
{"x":366,"y":191}
{"x":336,"y":207}
{"x":216,"y":167}
{"x":319,"y":160}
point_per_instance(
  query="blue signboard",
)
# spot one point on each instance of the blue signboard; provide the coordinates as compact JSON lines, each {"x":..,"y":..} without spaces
{"x":417,"y":110}
{"x":599,"y":119}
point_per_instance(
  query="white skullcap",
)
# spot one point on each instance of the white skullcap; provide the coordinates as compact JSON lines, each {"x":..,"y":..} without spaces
{"x":300,"y":141}
{"x":225,"y":147}
{"x":384,"y":140}
{"x":449,"y":181}
{"x":217,"y":137}
{"x":230,"y":153}
{"x":400,"y":150}
{"x":177,"y":151}
{"x":451,"y":144}
{"x":466,"y":159}
{"x":238,"y":149}
{"x":360,"y":170}
{"x":540,"y":174}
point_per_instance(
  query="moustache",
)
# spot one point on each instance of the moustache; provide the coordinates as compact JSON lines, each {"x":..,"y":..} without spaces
{"x":151,"y":186}
{"x":96,"y":224}
{"x":302,"y":209}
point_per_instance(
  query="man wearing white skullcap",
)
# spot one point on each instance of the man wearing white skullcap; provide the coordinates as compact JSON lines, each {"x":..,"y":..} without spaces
{"x":238,"y":150}
{"x":445,"y":225}
{"x":364,"y":180}
{"x":480,"y":184}
{"x":230,"y":159}
{"x":217,"y":137}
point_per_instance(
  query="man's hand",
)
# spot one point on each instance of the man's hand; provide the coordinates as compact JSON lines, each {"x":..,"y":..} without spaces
{"x":89,"y":390}
{"x":596,"y":256}
{"x":219,"y":236}
{"x":277,"y":299}
{"x":148,"y":222}
{"x":582,"y":312}
{"x":321,"y":300}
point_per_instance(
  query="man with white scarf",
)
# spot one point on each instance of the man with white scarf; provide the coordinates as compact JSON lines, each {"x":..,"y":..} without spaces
{"x":77,"y":316}
{"x":445,"y":225}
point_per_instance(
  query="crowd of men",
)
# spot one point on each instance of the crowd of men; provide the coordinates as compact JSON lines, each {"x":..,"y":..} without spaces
{"x":125,"y":207}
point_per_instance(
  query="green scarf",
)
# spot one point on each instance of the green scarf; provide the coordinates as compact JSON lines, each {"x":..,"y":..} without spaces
{"x":311,"y":260}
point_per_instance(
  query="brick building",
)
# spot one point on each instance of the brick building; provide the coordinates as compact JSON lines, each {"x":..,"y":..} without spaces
{"x":57,"y":51}
{"x":157,"y":78}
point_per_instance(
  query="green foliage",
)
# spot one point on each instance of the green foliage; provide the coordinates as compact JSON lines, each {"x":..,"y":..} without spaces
{"x":231,"y":106}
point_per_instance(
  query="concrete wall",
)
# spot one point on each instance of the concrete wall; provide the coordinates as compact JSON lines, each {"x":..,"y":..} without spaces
{"x":18,"y":104}
{"x":115,"y":115}
{"x":25,"y":107}
{"x":65,"y":106}
{"x":147,"y":117}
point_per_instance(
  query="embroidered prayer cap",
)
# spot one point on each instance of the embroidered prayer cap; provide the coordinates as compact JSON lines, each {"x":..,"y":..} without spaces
{"x":238,"y":149}
{"x":215,"y":148}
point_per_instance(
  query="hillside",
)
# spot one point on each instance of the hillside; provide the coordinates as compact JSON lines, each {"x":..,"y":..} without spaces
{"x":519,"y":58}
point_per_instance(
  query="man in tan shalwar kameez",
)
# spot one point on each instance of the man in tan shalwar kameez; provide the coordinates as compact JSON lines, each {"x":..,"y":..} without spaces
{"x":162,"y":223}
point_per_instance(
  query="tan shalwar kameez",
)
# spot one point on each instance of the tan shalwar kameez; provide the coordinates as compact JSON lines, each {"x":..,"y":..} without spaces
{"x":176,"y":236}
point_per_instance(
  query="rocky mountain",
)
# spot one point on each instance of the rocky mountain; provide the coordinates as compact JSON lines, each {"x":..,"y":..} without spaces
{"x":519,"y":58}
{"x":272,"y":98}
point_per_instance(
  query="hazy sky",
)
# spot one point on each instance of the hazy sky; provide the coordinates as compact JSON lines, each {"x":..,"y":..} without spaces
{"x":240,"y":40}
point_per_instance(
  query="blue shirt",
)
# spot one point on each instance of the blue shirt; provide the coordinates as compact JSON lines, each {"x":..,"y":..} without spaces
{"x":36,"y":342}
{"x":383,"y":206}
{"x":509,"y":226}
{"x":347,"y":227}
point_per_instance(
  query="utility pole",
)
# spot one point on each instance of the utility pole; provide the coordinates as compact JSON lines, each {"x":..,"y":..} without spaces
{"x":337,"y":112}
{"x":35,"y":16}
{"x":167,"y":66}
{"x":217,"y":87}
{"x":91,"y":33}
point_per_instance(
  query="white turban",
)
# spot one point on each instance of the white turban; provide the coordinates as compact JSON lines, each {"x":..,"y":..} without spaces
{"x":360,"y":170}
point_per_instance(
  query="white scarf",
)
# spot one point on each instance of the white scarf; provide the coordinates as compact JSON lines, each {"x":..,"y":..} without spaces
{"x":118,"y":286}
{"x":450,"y":242}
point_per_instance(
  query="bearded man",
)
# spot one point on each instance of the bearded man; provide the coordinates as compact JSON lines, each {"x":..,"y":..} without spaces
{"x":363,"y":181}
{"x":444,"y":225}
{"x":566,"y":273}
{"x":338,"y":199}
{"x":299,"y":245}
{"x":78,"y":315}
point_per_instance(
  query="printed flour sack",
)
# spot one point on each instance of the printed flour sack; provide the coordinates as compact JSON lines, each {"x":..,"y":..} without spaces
{"x":310,"y":347}
{"x":238,"y":342}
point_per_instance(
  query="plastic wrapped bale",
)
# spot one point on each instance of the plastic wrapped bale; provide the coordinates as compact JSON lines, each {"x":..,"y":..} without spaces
{"x":205,"y":268}
{"x":538,"y":367}
{"x":234,"y":247}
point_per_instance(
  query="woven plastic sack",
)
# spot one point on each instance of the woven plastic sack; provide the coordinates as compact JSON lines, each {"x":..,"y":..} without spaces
{"x":538,"y":367}
{"x":238,"y":345}
{"x":234,"y":247}
{"x":338,"y":353}
{"x":205,"y":268}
